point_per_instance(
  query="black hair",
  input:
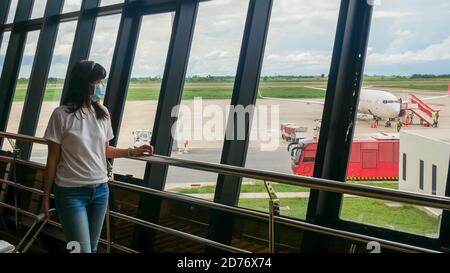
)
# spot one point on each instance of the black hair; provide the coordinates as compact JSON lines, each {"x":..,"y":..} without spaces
{"x":81,"y":88}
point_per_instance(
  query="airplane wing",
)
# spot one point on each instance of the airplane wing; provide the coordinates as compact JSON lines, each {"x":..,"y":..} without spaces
{"x":434,"y":98}
{"x":298,"y":100}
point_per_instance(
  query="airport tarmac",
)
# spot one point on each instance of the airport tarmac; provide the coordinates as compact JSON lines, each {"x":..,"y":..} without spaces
{"x":140,"y":115}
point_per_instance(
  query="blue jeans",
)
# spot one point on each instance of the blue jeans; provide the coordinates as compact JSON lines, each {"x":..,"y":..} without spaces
{"x":81,"y":212}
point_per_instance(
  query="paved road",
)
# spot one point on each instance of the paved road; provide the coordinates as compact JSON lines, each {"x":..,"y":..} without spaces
{"x":278,"y":161}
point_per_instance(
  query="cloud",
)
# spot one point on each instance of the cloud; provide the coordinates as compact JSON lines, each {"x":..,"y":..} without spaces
{"x":324,"y":15}
{"x":435,"y":52}
{"x":297,"y":63}
{"x":71,"y":5}
{"x":303,"y":58}
{"x":402,"y":32}
{"x":405,"y":34}
{"x":391,"y":14}
{"x":217,"y":54}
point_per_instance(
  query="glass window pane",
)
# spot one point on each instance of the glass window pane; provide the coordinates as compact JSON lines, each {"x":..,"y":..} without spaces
{"x":38,"y":9}
{"x":55,"y":84}
{"x":207,"y":92}
{"x":104,"y":40}
{"x":110,"y":2}
{"x":71,"y":5}
{"x":3,"y":48}
{"x":405,"y":65}
{"x":22,"y":83}
{"x":390,"y":215}
{"x":12,"y":11}
{"x":296,"y":64}
{"x":143,"y":91}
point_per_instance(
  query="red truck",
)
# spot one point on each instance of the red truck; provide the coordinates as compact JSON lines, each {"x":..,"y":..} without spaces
{"x":292,"y":132}
{"x":370,"y":159}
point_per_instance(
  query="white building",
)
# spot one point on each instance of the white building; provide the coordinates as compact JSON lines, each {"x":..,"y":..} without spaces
{"x":424,"y":160}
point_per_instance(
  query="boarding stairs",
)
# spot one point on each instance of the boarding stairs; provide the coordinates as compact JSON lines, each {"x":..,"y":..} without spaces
{"x":425,"y":113}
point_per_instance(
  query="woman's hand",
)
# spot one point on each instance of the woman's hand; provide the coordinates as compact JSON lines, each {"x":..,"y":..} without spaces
{"x":146,"y":150}
{"x":45,"y":207}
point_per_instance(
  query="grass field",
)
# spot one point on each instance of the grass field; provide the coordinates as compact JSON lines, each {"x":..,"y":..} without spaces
{"x":259,"y":187}
{"x":271,"y":88}
{"x":368,"y":211}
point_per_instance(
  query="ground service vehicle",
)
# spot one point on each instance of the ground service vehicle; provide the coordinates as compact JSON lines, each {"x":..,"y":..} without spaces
{"x":371,"y":158}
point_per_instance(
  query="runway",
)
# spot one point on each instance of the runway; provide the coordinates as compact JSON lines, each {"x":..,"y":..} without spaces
{"x":140,"y":115}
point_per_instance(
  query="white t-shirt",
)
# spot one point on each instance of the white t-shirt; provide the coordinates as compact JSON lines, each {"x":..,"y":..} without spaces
{"x":83,"y":145}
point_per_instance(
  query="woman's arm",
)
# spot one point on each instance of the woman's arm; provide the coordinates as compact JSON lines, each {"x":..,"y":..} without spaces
{"x":113,"y":152}
{"x":54,"y":153}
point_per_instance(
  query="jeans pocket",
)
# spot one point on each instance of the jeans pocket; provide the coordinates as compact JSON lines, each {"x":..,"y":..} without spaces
{"x":102,"y":191}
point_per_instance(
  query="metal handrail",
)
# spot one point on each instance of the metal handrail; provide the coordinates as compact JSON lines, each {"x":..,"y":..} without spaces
{"x":278,"y":219}
{"x":239,"y":211}
{"x":314,"y":183}
{"x":309,"y":182}
{"x":126,"y":218}
{"x":23,"y":137}
{"x":177,"y":233}
{"x":58,"y":225}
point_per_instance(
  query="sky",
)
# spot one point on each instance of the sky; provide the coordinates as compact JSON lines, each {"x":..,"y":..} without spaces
{"x":407,"y":37}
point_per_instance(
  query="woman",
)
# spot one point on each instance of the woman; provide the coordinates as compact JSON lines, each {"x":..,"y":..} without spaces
{"x":78,"y":134}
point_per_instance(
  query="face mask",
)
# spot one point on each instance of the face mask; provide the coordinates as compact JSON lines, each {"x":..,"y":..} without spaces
{"x":99,"y":92}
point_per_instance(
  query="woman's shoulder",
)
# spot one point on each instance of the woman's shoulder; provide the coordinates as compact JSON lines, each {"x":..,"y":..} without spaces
{"x":62,"y":110}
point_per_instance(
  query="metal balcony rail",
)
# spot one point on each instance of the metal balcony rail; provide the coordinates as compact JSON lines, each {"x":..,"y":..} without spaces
{"x":310,"y":182}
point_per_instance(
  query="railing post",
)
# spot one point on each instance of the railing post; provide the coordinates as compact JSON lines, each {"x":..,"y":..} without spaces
{"x":274,"y":211}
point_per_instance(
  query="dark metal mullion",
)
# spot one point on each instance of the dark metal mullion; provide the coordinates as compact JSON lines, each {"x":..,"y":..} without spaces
{"x":4,"y":11}
{"x":171,"y":89}
{"x":6,"y":27}
{"x":82,"y":41}
{"x":121,"y":67}
{"x":339,"y":117}
{"x":244,"y":94}
{"x":39,"y":76}
{"x":11,"y":65}
{"x":142,"y":8}
{"x":170,"y":96}
{"x":329,"y":98}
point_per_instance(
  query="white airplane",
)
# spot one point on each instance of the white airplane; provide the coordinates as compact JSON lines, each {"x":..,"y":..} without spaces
{"x":377,"y":103}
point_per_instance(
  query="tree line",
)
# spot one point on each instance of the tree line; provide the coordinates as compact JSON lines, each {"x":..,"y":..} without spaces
{"x":210,"y":78}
